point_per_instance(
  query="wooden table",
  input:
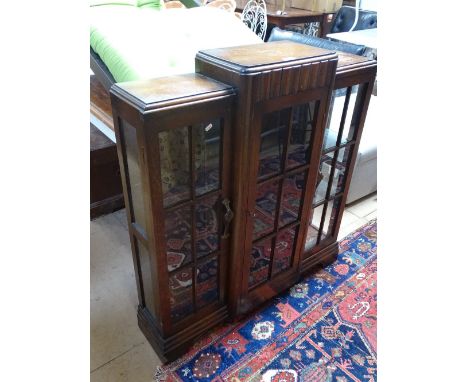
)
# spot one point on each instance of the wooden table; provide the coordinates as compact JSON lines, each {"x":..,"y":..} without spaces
{"x":293,"y":16}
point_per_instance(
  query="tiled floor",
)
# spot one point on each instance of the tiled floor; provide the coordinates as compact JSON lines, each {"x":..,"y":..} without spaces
{"x":119,"y":351}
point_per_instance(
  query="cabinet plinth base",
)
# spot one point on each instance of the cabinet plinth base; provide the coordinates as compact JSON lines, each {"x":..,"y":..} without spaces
{"x":170,"y":348}
{"x":261,"y":297}
{"x":320,"y":259}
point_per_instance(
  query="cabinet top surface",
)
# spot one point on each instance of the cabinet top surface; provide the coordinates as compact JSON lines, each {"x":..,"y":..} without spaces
{"x":347,"y":59}
{"x":164,"y":91}
{"x":251,"y":58}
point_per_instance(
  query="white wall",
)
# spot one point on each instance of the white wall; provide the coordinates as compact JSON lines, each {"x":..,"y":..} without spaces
{"x":370,"y":5}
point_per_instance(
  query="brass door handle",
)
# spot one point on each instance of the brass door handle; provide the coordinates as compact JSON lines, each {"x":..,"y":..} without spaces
{"x":228,"y":216}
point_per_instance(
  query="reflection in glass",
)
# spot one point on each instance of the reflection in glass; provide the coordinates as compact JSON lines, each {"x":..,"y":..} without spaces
{"x":348,"y":131}
{"x":260,"y":261}
{"x":340,"y":169}
{"x":283,"y":250}
{"x":207,"y":143}
{"x":322,"y":178}
{"x":206,"y":226}
{"x":333,"y":119}
{"x":330,"y":217}
{"x":207,"y":282}
{"x":265,"y":209}
{"x":180,"y":292}
{"x":313,"y":228}
{"x":175,"y":159}
{"x":178,"y":229}
{"x":134,"y":175}
{"x":293,"y":189}
{"x":301,"y":132}
{"x":274,"y":128}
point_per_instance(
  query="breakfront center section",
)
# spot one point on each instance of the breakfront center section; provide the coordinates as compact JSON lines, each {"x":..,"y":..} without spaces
{"x":284,"y":90}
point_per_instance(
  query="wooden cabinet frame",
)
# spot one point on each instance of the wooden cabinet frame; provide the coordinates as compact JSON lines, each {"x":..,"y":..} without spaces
{"x":237,"y":86}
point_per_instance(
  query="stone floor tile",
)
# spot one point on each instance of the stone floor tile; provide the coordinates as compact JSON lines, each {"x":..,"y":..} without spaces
{"x":364,"y":206}
{"x":137,"y":364}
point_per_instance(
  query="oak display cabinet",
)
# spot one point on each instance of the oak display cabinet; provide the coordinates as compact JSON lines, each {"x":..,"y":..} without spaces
{"x":235,"y":179}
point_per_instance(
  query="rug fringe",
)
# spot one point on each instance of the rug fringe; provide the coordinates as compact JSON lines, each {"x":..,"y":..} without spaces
{"x":160,"y":375}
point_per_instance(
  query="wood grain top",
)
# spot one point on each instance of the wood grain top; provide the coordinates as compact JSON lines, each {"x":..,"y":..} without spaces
{"x":347,"y":61}
{"x":162,"y":92}
{"x":264,"y":56}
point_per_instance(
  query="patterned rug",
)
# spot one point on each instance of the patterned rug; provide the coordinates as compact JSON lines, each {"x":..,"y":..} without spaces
{"x":323,"y":329}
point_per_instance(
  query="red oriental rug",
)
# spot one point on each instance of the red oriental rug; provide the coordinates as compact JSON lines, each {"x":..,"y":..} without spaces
{"x":323,"y":329}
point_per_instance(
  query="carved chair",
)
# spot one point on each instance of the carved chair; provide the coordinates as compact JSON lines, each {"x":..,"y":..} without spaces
{"x":254,"y":16}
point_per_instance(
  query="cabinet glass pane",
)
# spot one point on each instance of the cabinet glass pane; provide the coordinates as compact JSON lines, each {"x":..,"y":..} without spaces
{"x":146,"y":275}
{"x":134,"y":175}
{"x":348,"y":130}
{"x":207,"y":282}
{"x":322,"y":178}
{"x":300,"y":137}
{"x":330,"y":217}
{"x":334,"y":118}
{"x":313,"y":228}
{"x":260,"y":261}
{"x":340,"y":169}
{"x":265,"y":209}
{"x":207,"y":144}
{"x":284,"y":250}
{"x":272,"y":139}
{"x":180,"y":291}
{"x":293,"y":189}
{"x":178,"y":229}
{"x":206,"y":226}
{"x":175,"y":165}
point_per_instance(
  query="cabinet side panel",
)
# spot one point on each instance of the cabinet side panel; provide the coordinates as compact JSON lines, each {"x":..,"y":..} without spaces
{"x":134,"y":174}
{"x":146,"y":278}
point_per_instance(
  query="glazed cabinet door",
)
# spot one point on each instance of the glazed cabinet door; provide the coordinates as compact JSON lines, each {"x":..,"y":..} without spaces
{"x":340,"y":141}
{"x":195,"y":198}
{"x":282,"y":152}
{"x":194,"y":169}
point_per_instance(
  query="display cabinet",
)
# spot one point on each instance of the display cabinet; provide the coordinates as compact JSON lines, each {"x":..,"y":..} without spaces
{"x":173,"y":138}
{"x":235,"y":179}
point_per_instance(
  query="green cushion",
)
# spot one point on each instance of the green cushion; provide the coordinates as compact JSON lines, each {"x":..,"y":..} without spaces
{"x":135,"y":3}
{"x":149,"y":4}
{"x":142,"y":43}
